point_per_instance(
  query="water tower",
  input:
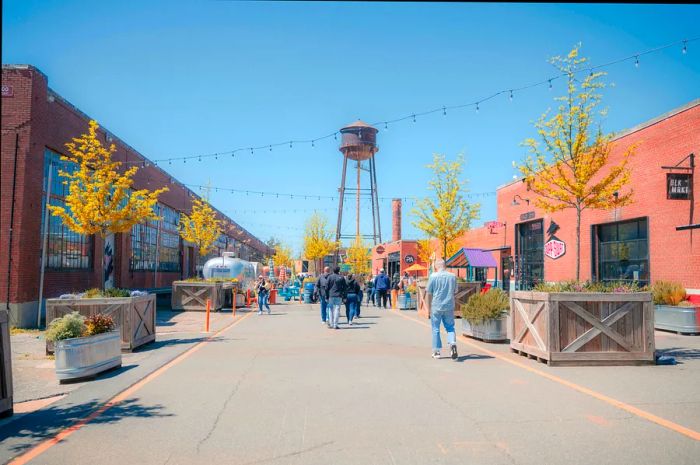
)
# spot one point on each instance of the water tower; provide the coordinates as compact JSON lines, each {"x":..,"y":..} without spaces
{"x":358,"y":145}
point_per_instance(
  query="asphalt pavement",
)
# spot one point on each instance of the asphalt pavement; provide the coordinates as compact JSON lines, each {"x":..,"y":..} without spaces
{"x":285,"y":389}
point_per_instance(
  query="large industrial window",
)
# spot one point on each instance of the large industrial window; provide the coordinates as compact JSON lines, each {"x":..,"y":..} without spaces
{"x":156,"y":235}
{"x":622,"y":251}
{"x":66,"y":250}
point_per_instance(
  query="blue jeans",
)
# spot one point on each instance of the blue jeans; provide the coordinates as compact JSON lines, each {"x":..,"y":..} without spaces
{"x":359,"y":303}
{"x":324,"y":308}
{"x":448,"y":320}
{"x":350,"y":306}
{"x":263,"y":300}
{"x":334,"y":304}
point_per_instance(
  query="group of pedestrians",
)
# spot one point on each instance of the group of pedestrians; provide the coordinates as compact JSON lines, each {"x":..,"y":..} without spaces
{"x":334,"y":291}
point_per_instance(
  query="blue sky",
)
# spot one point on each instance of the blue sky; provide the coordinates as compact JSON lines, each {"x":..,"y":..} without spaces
{"x":182,"y":78}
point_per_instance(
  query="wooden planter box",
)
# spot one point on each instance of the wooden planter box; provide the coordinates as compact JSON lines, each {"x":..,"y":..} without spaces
{"x":5,"y":366}
{"x":492,"y":330}
{"x":681,"y":320}
{"x":192,"y":296}
{"x":464,"y":291}
{"x":571,"y":328}
{"x":134,"y":316}
{"x":84,"y":357}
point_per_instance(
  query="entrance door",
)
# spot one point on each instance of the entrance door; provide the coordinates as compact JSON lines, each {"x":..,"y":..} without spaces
{"x":506,"y":271}
{"x":529,"y":259}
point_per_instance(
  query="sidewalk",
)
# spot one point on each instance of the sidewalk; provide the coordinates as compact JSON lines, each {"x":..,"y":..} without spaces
{"x":34,"y":379}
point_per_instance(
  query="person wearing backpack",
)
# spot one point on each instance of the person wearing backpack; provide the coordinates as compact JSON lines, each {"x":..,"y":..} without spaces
{"x":261,"y":291}
{"x":351,"y":299}
{"x":381,"y":287}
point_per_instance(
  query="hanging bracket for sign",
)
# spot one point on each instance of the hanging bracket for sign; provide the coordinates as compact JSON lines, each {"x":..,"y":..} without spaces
{"x":679,"y":186}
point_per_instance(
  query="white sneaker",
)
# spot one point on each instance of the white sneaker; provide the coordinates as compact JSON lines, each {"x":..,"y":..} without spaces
{"x":436,"y":354}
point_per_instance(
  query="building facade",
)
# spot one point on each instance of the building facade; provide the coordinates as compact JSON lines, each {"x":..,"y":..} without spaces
{"x":36,"y":123}
{"x":651,"y":239}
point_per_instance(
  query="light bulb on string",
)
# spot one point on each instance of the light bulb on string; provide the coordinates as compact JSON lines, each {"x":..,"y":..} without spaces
{"x":685,"y":47}
{"x":170,"y":162}
{"x":511,"y":96}
{"x":270,"y":148}
{"x":290,"y":144}
{"x":636,"y":61}
{"x":386,"y":126}
{"x":477,"y":107}
{"x":414,"y":118}
{"x":251,"y":151}
{"x":444,"y":111}
{"x":550,"y":84}
{"x":313,"y":143}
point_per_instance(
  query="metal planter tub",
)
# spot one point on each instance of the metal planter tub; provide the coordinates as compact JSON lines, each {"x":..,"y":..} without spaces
{"x":491,"y":330}
{"x":406,"y":304}
{"x":681,"y":320}
{"x":84,"y":357}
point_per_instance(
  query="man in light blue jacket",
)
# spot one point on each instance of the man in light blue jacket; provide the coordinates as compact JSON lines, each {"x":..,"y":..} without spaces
{"x":442,"y":286}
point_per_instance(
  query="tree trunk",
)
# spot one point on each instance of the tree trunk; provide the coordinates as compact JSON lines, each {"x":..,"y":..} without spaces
{"x":102,"y":264}
{"x":578,"y":242}
{"x":444,"y":249}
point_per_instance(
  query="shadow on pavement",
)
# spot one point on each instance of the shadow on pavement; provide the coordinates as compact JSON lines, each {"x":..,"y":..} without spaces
{"x":680,"y":353}
{"x":464,"y":358}
{"x":176,"y":341}
{"x":27,"y":430}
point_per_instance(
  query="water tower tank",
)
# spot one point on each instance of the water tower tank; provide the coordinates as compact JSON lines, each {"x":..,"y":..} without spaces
{"x":359,"y":141}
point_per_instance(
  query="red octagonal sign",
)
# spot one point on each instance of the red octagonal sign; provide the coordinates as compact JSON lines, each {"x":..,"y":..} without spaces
{"x":554,"y":248}
{"x":379,"y":249}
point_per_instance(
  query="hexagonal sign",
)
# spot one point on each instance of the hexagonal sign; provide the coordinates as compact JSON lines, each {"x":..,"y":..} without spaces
{"x":554,"y":248}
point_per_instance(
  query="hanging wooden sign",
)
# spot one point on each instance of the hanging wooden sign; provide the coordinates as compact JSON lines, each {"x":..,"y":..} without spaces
{"x":679,"y":186}
{"x":554,"y":248}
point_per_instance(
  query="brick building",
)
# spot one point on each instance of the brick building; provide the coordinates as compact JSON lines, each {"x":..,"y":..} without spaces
{"x":641,"y":241}
{"x":36,"y":123}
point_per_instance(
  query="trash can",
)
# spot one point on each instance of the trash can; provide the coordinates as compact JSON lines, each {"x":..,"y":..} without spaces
{"x":307,"y":296}
{"x":273,"y":296}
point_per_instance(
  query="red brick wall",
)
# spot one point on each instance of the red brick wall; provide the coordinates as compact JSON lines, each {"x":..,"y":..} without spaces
{"x":672,"y":254}
{"x":44,"y":120}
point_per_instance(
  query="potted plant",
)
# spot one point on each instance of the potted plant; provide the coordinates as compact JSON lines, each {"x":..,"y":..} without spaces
{"x":84,"y":346}
{"x":134,"y":312}
{"x":410,"y":302}
{"x":672,"y":312}
{"x":590,"y":323}
{"x":485,"y":316}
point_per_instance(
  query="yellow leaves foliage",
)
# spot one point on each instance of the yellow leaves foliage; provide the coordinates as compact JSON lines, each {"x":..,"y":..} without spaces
{"x":448,"y":214}
{"x":359,"y":256}
{"x":100,"y":199}
{"x":201,"y":227}
{"x":565,"y":168}
{"x":318,"y":240}
{"x":283,"y":255}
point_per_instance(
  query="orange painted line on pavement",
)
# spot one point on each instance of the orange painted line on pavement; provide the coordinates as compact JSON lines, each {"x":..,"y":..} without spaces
{"x":123,"y":395}
{"x":584,"y":390}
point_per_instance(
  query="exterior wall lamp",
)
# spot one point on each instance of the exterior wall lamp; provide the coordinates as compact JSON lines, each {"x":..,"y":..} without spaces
{"x":515,"y":203}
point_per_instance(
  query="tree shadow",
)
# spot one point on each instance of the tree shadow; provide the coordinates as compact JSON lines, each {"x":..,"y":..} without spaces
{"x":23,"y":433}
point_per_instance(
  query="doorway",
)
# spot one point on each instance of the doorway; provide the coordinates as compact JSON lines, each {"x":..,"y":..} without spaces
{"x":529,"y":258}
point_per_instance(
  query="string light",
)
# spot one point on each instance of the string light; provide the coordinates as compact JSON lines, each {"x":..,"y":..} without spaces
{"x":444,"y":111}
{"x":547,"y":82}
{"x":386,"y":126}
{"x":477,"y":107}
{"x":290,"y":144}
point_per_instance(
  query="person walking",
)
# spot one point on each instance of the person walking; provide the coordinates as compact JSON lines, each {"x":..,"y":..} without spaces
{"x":369,"y":290}
{"x":335,"y":294}
{"x":360,"y":295}
{"x":321,"y":288}
{"x":351,"y":299}
{"x":261,"y":291}
{"x":404,"y":284}
{"x":381,"y":287}
{"x":441,"y":289}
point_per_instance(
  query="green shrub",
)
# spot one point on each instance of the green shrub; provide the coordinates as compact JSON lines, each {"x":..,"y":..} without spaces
{"x":116,"y":292}
{"x":98,"y":324}
{"x":67,"y":327}
{"x":588,"y":286}
{"x":668,"y":293}
{"x":93,"y":293}
{"x":480,"y":307}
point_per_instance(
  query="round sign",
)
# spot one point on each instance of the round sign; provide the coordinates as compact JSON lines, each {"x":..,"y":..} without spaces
{"x":409,"y":259}
{"x":380,"y":249}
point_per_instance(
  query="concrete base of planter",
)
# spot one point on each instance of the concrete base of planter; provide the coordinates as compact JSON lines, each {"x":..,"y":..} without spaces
{"x":406,"y":304}
{"x":494,"y":330}
{"x":681,"y":320}
{"x":84,"y":357}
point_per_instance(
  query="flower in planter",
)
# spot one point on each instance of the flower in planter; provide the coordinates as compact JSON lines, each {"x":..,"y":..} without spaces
{"x":490,"y":305}
{"x":668,"y":293}
{"x":98,"y":324}
{"x":67,"y":327}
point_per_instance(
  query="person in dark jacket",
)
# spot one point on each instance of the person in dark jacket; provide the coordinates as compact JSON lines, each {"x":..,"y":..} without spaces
{"x":320,"y":291}
{"x":335,"y":294}
{"x":261,"y":291}
{"x":369,"y":290}
{"x":381,"y":287}
{"x":351,"y":299}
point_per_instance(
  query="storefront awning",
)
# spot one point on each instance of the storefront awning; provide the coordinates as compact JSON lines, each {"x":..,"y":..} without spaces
{"x":475,"y":258}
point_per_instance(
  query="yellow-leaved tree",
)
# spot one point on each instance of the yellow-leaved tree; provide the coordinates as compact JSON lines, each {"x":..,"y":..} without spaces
{"x":358,"y":257}
{"x":283,"y":255}
{"x":567,"y":171}
{"x":448,"y":215}
{"x":318,"y":239}
{"x":201,"y":227}
{"x":100,"y":198}
{"x":425,"y":250}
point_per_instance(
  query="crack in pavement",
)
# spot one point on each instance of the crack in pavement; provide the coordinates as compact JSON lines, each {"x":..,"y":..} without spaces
{"x":291,"y":454}
{"x":225,"y":404}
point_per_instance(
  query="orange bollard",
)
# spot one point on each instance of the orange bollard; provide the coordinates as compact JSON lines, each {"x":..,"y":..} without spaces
{"x":394,"y":298}
{"x":208,"y":308}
